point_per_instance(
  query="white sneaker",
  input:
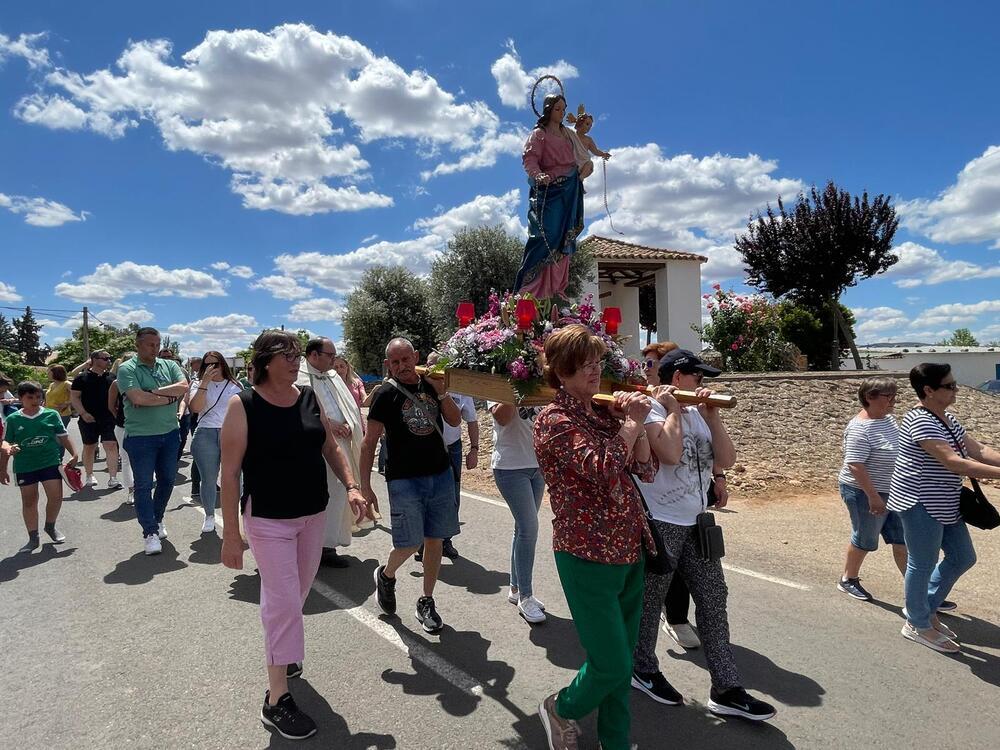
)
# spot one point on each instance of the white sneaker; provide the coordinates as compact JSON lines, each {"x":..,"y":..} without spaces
{"x":683,"y":634}
{"x":152,"y":545}
{"x":114,"y":484}
{"x":91,"y":481}
{"x":938,"y":641}
{"x":529,"y":608}
{"x":162,"y":531}
{"x":209,"y":526}
{"x":514,"y":598}
{"x":130,"y":500}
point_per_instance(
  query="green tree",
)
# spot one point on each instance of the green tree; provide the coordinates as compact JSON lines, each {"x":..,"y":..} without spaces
{"x":961,"y":337}
{"x":8,"y":337}
{"x":479,"y":260}
{"x":389,"y":301}
{"x":12,"y":368}
{"x":647,"y":310}
{"x":812,"y":254}
{"x":810,"y":329}
{"x":26,"y":339}
{"x":117,"y":341}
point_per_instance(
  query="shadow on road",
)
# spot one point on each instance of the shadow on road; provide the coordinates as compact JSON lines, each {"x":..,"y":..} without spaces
{"x":123,"y":512}
{"x":557,"y":635}
{"x":11,"y":567}
{"x":691,"y":725}
{"x":760,"y":673}
{"x":356,"y":581}
{"x":142,"y":568}
{"x":246,"y":588}
{"x":90,"y":494}
{"x":206,"y":550}
{"x":333,"y":729}
{"x":473,"y":577}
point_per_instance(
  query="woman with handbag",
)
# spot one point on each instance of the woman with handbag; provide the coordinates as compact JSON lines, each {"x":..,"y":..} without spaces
{"x":935,"y":452}
{"x":691,"y":443}
{"x":585,"y":454}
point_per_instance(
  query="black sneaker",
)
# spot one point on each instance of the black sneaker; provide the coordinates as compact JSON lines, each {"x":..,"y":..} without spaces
{"x":947,"y":606}
{"x":448,"y":550}
{"x":385,"y":591}
{"x":294,"y":670}
{"x":853,"y":587}
{"x":286,"y":718}
{"x":655,"y":685}
{"x":427,"y":616}
{"x":738,"y":702}
{"x":32,"y":544}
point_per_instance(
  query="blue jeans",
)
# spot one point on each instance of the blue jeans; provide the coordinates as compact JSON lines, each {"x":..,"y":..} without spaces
{"x":422,"y":508}
{"x":928,"y":581}
{"x":207,"y":452}
{"x":455,"y":454}
{"x":522,"y":490}
{"x":151,"y":454}
{"x":866,"y":526}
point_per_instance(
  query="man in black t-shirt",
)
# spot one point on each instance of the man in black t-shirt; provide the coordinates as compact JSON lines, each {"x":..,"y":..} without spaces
{"x":89,"y":396}
{"x":424,"y":510}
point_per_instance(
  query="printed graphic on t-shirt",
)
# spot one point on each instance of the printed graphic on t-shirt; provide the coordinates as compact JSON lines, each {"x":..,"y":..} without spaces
{"x":684,"y":482}
{"x":528,"y":413}
{"x":420,"y":417}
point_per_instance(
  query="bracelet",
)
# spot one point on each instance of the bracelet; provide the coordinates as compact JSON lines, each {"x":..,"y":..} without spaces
{"x":353,"y":486}
{"x":718,"y":476}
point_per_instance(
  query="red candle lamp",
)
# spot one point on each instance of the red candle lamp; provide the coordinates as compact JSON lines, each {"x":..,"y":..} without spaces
{"x":612,"y":317}
{"x":525,"y":312}
{"x":466,"y":313}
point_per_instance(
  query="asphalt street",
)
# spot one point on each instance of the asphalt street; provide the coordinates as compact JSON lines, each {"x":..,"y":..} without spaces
{"x":104,"y":647}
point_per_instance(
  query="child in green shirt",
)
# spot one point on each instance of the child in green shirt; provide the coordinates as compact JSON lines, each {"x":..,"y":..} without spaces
{"x":35,"y":435}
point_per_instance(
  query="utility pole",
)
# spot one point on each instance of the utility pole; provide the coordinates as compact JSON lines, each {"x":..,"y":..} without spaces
{"x":86,"y":334}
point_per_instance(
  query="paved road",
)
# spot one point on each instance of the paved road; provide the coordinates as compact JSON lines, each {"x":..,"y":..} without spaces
{"x":106,"y":648}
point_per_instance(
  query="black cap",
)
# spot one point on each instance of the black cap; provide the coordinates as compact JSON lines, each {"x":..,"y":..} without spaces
{"x":684,"y":361}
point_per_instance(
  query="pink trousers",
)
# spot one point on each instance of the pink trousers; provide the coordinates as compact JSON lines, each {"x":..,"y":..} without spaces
{"x":287,"y":552}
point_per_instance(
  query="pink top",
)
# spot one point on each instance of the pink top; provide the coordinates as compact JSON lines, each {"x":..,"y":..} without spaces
{"x":547,"y":153}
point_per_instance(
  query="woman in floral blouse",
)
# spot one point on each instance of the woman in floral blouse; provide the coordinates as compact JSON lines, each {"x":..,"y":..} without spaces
{"x":586,"y":454}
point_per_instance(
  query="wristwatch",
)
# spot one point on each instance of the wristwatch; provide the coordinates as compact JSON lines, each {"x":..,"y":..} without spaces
{"x":353,"y":486}
{"x":719,"y":476}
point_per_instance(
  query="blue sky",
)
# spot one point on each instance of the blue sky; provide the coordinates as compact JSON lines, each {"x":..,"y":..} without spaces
{"x":215,"y":168}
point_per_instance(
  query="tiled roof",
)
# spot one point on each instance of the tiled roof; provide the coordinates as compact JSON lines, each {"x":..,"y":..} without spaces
{"x":604,"y":248}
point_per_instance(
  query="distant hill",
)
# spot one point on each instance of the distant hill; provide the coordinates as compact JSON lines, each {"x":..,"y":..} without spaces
{"x":893,"y":343}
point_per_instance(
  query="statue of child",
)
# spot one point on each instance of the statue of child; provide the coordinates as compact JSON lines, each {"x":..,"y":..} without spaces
{"x":583,"y":144}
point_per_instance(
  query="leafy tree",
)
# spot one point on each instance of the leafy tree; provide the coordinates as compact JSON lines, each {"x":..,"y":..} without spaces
{"x":479,"y":260}
{"x":961,"y":337}
{"x":810,"y":329}
{"x":12,"y":368}
{"x":26,"y":339}
{"x":117,"y":341}
{"x":812,"y":254}
{"x":8,"y":337}
{"x":389,"y":301}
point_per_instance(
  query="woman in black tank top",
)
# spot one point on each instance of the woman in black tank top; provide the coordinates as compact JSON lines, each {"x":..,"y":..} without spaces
{"x":277,"y":435}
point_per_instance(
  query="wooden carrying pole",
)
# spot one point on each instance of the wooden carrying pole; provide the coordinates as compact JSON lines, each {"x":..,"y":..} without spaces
{"x":605,"y":399}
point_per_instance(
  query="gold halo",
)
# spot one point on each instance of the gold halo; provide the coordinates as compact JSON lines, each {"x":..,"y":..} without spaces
{"x":562,"y":91}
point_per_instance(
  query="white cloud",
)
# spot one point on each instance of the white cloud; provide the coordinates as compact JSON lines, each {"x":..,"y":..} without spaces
{"x":225,"y":333}
{"x":40,"y":212}
{"x":220,"y":265}
{"x":264,"y":106}
{"x":684,"y":202}
{"x":121,"y":317}
{"x":282,"y":287}
{"x":8,"y":293}
{"x":958,"y":313}
{"x":114,"y":282}
{"x":241,"y":272}
{"x":26,"y":47}
{"x":875,"y":320}
{"x":317,"y":309}
{"x":931,"y":324}
{"x":968,"y":211}
{"x":340,"y":273}
{"x":919,"y":265}
{"x":514,"y":83}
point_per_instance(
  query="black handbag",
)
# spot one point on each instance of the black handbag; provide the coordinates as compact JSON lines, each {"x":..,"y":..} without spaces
{"x":975,"y":508}
{"x":662,"y":562}
{"x":711,"y":543}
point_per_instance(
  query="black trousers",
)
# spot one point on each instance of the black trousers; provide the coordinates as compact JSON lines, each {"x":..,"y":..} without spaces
{"x":677,"y":601}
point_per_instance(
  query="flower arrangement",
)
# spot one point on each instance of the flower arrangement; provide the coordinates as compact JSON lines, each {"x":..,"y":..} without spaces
{"x":510,"y":338}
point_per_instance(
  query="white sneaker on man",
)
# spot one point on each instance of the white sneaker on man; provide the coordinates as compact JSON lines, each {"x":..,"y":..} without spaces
{"x":114,"y":484}
{"x":91,"y":481}
{"x":209,"y":526}
{"x":162,"y":531}
{"x":529,"y":608}
{"x":152,"y":545}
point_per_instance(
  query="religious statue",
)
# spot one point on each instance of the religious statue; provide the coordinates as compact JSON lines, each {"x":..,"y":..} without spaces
{"x":584,"y":145}
{"x":555,"y":201}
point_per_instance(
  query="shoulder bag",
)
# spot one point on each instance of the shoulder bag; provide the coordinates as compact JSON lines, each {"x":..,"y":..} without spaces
{"x":661,"y":563}
{"x":711,"y":545}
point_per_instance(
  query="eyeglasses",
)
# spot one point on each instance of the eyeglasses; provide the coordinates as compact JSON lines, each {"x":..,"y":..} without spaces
{"x":289,"y":356}
{"x":329,"y":354}
{"x":952,"y":386}
{"x":592,"y":366}
{"x":698,"y":376}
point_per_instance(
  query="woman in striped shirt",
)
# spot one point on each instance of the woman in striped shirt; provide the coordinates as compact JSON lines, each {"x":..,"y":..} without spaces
{"x":935,"y":453}
{"x":870,"y":447}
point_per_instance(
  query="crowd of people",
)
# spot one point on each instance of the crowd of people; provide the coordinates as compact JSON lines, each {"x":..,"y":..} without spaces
{"x":631,"y":488}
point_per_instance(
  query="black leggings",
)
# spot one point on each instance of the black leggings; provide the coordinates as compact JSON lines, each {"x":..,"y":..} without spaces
{"x":677,"y":601}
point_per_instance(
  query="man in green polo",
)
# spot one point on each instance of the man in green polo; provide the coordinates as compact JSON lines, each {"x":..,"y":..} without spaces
{"x":151,"y":387}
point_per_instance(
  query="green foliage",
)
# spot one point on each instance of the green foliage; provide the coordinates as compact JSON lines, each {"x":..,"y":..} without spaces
{"x":746,"y":332}
{"x":12,"y":368}
{"x":389,"y":301}
{"x":479,"y":260}
{"x":961,"y":337}
{"x":26,"y":339}
{"x":811,"y":329}
{"x":117,"y":341}
{"x":8,"y":337}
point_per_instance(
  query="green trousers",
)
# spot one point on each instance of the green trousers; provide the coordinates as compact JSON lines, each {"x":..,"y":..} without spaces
{"x":606,"y":604}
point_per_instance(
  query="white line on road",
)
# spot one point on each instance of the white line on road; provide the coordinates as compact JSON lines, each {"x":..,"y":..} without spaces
{"x":732,"y":568}
{"x":414,"y":649}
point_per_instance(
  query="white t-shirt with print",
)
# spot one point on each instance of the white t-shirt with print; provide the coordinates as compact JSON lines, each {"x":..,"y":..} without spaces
{"x":675,"y":495}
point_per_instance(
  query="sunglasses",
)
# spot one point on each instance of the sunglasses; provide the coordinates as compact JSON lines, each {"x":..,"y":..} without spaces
{"x":952,"y":386}
{"x":651,"y":363}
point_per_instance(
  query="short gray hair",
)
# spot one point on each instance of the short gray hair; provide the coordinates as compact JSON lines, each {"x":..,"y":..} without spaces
{"x":871,"y":387}
{"x":396,"y":341}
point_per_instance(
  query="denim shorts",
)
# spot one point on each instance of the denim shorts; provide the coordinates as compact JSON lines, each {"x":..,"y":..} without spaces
{"x":867,"y":526}
{"x":423,"y":507}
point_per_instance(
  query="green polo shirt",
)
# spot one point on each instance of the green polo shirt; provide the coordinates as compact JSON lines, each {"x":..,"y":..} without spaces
{"x":149,"y":420}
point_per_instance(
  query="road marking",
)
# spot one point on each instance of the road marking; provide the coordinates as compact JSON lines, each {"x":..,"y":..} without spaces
{"x":731,"y":568}
{"x":765,"y":577}
{"x":405,"y":641}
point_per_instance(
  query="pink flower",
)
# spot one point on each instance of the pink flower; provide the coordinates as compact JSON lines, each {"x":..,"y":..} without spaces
{"x":735,"y":346}
{"x":716,"y":287}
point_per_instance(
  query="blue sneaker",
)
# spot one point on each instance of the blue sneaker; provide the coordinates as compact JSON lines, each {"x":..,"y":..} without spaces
{"x":853,"y":587}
